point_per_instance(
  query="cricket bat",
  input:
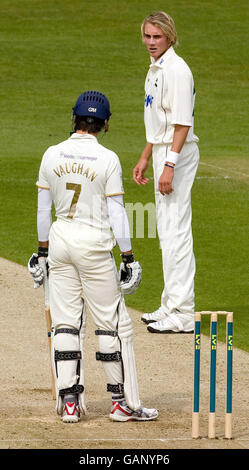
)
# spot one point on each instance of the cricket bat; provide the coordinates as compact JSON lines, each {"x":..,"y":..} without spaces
{"x":42,"y":263}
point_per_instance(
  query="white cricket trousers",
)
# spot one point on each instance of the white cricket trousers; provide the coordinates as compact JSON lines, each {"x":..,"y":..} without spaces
{"x":174,"y":219}
{"x":81,"y":268}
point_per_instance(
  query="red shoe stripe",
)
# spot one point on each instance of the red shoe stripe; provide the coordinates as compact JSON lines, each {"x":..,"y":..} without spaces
{"x":118,"y":407}
{"x":68,"y":406}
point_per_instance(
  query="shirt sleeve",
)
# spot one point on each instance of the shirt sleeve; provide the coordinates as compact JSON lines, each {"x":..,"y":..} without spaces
{"x":42,"y":179}
{"x":114,"y":184}
{"x":119,"y":222}
{"x":180,"y":89}
{"x":44,"y":216}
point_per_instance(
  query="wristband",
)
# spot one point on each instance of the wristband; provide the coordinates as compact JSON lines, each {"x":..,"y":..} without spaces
{"x":127,"y":258}
{"x":170,"y":166}
{"x":172,"y":157}
{"x":42,"y":252}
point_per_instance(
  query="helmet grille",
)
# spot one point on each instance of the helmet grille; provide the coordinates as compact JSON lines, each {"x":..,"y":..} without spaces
{"x":93,"y":96}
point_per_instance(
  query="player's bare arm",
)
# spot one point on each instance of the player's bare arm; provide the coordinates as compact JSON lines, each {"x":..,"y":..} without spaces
{"x":180,"y":135}
{"x":166,"y":179}
{"x":43,"y":244}
{"x":142,"y":165}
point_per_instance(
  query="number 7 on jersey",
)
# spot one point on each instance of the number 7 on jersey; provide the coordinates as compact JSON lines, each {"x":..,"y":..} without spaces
{"x":77,"y":190}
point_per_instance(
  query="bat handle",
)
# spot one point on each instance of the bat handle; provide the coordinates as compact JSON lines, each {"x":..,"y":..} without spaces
{"x":43,"y":265}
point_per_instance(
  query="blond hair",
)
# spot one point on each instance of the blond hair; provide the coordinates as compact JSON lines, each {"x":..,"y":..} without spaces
{"x":163,"y":21}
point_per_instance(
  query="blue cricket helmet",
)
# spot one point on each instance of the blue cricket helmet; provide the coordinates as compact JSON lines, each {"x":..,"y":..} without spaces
{"x":94,"y":104}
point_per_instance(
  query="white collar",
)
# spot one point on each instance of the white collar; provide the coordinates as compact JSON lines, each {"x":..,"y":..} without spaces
{"x":161,"y":61}
{"x":76,"y":135}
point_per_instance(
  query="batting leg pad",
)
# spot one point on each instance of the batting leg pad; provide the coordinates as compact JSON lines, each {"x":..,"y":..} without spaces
{"x":110,"y":356}
{"x":125,"y":333}
{"x":68,"y":356}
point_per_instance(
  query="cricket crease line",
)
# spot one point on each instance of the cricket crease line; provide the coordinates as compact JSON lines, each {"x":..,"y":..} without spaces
{"x":213,"y":177}
{"x":224,"y":169}
{"x":210,"y":177}
{"x":118,"y":440}
{"x":101,"y":439}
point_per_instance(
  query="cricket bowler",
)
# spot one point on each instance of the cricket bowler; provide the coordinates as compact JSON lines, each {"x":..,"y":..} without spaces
{"x":172,"y":143}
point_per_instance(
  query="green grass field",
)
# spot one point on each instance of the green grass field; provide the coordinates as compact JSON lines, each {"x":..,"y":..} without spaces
{"x":52,"y":51}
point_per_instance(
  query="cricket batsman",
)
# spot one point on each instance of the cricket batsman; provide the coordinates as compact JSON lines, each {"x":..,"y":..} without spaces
{"x":83,"y":180}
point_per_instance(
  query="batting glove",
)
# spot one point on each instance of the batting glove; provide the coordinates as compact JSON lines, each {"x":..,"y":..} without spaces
{"x":130,"y":274}
{"x":34,"y":268}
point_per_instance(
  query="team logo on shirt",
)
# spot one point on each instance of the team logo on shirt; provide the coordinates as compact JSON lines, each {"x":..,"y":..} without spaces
{"x":148,"y":100}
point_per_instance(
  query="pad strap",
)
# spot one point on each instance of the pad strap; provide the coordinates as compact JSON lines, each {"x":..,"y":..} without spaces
{"x":115,"y":388}
{"x":66,"y":330}
{"x":67,"y":355}
{"x":74,"y":389}
{"x":106,"y":332}
{"x":108,"y":357}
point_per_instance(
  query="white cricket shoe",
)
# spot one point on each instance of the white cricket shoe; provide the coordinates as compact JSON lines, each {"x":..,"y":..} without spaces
{"x":122,"y":412}
{"x":158,"y":315}
{"x":173,"y":324}
{"x":71,"y":413}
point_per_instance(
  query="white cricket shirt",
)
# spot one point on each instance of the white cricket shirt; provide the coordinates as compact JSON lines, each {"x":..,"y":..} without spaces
{"x":81,"y":174}
{"x":169,"y":98}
